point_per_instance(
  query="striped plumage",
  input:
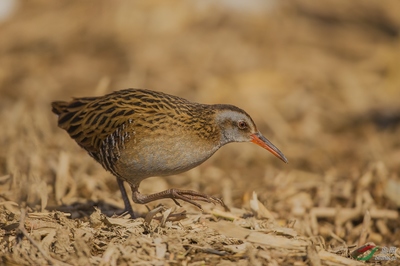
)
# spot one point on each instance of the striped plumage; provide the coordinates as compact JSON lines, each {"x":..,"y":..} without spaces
{"x":136,"y":134}
{"x":90,"y":120}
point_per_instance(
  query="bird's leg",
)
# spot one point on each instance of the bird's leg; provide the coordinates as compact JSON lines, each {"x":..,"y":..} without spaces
{"x":189,"y":196}
{"x":128,"y":206}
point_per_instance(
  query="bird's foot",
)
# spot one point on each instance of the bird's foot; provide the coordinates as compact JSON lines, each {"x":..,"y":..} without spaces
{"x":189,"y":196}
{"x":128,"y":206}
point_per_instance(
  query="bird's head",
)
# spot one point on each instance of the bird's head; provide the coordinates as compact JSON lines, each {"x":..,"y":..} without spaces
{"x":237,"y":126}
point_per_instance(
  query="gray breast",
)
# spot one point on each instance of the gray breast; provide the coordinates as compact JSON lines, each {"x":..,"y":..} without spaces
{"x":164,"y":156}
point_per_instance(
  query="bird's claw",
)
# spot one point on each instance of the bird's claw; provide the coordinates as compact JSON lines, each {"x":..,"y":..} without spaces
{"x":189,"y":196}
{"x":193,"y":196}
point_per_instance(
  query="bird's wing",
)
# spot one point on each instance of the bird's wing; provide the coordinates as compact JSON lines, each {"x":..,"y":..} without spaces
{"x":96,"y":122}
{"x":89,"y":121}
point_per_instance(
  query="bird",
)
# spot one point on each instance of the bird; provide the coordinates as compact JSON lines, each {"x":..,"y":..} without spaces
{"x":138,"y":133}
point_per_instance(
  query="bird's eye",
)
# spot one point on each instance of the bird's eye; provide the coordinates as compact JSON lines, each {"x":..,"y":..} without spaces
{"x":242,"y":124}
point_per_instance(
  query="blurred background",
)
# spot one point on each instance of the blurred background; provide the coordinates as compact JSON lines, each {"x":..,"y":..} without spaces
{"x":320,"y":79}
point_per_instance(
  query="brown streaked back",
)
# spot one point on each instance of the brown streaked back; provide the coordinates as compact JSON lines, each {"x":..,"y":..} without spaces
{"x":90,"y":120}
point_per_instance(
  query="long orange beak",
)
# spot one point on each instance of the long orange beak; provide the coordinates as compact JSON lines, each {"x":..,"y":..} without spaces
{"x":262,"y":141}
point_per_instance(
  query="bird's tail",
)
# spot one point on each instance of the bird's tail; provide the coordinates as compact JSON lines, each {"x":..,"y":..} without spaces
{"x":68,"y":112}
{"x":59,"y":107}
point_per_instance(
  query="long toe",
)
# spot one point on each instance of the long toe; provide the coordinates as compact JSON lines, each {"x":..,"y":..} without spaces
{"x":192,"y":196}
{"x":189,"y":196}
